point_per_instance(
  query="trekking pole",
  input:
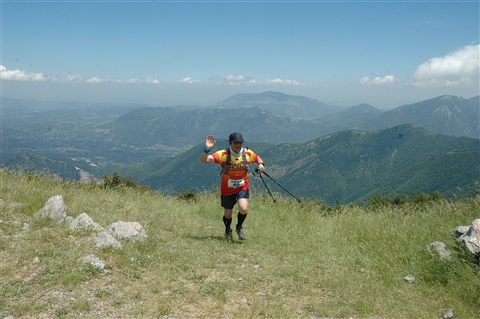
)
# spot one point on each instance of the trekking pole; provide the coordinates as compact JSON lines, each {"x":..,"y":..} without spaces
{"x":280,"y":186}
{"x":259,"y":174}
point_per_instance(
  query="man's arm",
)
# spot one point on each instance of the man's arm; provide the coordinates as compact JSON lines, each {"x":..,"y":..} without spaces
{"x":261,"y":166}
{"x":206,"y":158}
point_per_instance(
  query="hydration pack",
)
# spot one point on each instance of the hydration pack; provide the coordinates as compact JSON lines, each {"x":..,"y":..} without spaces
{"x":228,"y":163}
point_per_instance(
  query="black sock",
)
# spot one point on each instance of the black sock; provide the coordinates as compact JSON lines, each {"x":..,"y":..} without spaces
{"x":227,"y":222}
{"x":241,"y":219}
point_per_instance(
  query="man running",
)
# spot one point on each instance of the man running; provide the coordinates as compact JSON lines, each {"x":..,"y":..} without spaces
{"x":234,"y":185}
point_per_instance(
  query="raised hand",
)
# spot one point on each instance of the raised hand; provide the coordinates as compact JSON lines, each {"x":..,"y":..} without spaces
{"x":210,"y":141}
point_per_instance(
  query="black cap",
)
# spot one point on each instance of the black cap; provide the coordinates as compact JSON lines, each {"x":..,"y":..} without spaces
{"x":235,"y":138}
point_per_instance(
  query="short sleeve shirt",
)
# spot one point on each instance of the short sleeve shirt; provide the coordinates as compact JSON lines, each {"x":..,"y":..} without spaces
{"x":236,"y":173}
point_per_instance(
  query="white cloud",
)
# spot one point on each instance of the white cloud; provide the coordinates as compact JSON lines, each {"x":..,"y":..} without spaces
{"x":18,"y":75}
{"x":153,"y":81}
{"x":135,"y":80}
{"x":74,"y":78}
{"x":246,"y":80}
{"x":232,"y":79}
{"x":455,"y":69}
{"x":94,"y":80}
{"x":284,"y":82}
{"x":378,"y":80}
{"x":188,"y":80}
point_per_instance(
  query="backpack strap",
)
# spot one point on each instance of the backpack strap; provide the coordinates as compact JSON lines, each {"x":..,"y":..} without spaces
{"x":228,"y":162}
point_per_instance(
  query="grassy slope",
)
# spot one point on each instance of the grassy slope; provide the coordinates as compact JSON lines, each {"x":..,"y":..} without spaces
{"x":299,"y":261}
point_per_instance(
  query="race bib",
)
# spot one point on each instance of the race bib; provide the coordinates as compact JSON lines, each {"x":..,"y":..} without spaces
{"x":235,"y":183}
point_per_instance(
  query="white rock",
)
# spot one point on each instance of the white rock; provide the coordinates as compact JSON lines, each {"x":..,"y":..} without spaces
{"x":409,"y":278}
{"x":83,"y":221}
{"x":55,"y":209}
{"x":128,"y":231}
{"x":440,"y":248}
{"x":448,"y":314}
{"x":104,"y":239}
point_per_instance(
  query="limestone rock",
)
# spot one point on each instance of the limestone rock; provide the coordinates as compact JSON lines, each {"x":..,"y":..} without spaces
{"x":128,"y":231}
{"x":83,"y":221}
{"x":55,"y":209}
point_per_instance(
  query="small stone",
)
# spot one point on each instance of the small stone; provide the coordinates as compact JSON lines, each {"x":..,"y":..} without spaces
{"x":448,"y":314}
{"x":409,"y":278}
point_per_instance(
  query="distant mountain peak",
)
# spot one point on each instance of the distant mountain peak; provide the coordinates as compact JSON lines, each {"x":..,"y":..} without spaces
{"x":363,"y":108}
{"x":295,"y":106}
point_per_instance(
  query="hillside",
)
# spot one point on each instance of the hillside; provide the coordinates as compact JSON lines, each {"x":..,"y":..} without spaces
{"x":454,"y":174}
{"x":42,"y":165}
{"x":299,"y":260}
{"x":340,"y":166}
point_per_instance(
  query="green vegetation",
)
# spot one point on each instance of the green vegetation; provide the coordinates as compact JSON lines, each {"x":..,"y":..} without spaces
{"x":303,"y":260}
{"x":350,"y":166}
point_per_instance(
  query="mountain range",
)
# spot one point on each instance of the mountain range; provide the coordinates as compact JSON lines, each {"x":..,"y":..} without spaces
{"x":259,"y":122}
{"x":160,"y":146}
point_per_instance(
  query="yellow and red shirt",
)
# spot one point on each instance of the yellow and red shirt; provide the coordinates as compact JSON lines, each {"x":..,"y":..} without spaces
{"x":236,"y":173}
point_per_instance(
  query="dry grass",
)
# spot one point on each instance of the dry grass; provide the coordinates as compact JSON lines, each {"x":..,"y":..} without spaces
{"x":299,"y":261}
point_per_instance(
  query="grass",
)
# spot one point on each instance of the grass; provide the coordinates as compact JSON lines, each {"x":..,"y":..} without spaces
{"x":299,"y":261}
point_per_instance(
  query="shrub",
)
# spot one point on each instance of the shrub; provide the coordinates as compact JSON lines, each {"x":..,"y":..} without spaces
{"x":118,"y":181}
{"x":422,"y":198}
{"x":379,"y":201}
{"x":189,"y":196}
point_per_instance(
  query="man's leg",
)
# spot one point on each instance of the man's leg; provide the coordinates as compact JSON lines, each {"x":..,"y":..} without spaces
{"x":227,"y":218}
{"x":242,"y":215}
{"x":243,"y":209}
{"x":228,"y":202}
{"x":227,"y":221}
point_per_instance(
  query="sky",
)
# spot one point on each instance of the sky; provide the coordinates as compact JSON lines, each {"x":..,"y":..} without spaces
{"x":167,"y":53}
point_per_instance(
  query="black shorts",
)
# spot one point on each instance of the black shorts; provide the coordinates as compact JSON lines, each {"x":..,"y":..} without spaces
{"x":229,"y":201}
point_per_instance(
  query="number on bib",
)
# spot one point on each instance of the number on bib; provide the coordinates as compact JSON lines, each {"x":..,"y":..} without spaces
{"x":235,"y":183}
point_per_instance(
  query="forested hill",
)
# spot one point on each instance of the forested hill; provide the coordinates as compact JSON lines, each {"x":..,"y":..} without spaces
{"x":345,"y":166}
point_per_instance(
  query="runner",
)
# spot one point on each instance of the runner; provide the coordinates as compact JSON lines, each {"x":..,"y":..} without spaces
{"x":234,"y":185}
